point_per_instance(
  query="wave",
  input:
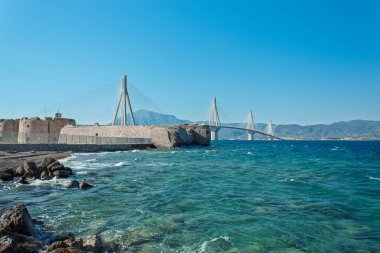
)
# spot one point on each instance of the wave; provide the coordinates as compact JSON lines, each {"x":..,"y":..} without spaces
{"x":205,"y":243}
{"x":53,"y":182}
{"x":374,"y":178}
{"x":119,"y":164}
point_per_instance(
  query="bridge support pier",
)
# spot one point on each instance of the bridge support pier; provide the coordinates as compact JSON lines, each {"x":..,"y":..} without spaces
{"x":250,"y":136}
{"x":214,"y":134}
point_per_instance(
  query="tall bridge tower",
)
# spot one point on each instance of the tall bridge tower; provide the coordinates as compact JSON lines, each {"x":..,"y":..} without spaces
{"x":123,"y":99}
{"x":214,"y":121}
{"x":251,"y":126}
{"x":270,"y":130}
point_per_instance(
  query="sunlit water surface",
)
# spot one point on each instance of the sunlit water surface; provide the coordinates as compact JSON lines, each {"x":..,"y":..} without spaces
{"x":234,"y":196}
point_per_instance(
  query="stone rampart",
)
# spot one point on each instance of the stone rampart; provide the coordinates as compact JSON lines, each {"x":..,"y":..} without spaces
{"x":159,"y":136}
{"x":35,"y":130}
{"x":9,"y":130}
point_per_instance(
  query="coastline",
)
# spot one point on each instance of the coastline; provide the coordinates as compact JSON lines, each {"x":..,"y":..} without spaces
{"x":14,"y":159}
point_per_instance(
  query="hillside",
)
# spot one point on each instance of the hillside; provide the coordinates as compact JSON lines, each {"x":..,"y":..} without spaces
{"x":354,"y":129}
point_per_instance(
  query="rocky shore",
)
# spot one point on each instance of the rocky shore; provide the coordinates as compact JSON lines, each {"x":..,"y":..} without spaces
{"x":48,"y":169}
{"x":13,"y":160}
{"x":19,"y":233}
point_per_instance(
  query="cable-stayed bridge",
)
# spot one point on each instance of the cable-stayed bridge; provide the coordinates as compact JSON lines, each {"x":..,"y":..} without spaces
{"x":216,"y":126}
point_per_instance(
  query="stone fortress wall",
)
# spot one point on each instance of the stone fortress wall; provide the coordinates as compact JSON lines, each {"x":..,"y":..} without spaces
{"x":9,"y":130}
{"x":158,"y":136}
{"x":60,"y":130}
{"x":33,"y":130}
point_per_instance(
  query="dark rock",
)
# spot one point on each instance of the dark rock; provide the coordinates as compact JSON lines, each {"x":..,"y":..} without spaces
{"x":67,"y":250}
{"x":73,"y":184}
{"x":92,"y":244}
{"x":47,"y":161}
{"x":8,"y":244}
{"x":23,"y":181}
{"x":84,"y":185}
{"x":10,"y":171}
{"x":5,"y":176}
{"x":37,"y":222}
{"x":20,"y":171}
{"x":70,"y":243}
{"x":52,"y":165}
{"x":31,"y":170}
{"x":30,"y":166}
{"x":18,"y":220}
{"x":45,"y":175}
{"x":57,"y":167}
{"x":69,"y":170}
{"x":61,"y":174}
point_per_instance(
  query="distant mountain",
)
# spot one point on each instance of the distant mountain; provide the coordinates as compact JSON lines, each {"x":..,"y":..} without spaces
{"x":364,"y":129}
{"x":354,"y":129}
{"x":144,"y":117}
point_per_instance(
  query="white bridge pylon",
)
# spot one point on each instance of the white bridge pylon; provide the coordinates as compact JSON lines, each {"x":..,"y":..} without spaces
{"x":123,"y":99}
{"x":215,"y":125}
{"x":250,"y":125}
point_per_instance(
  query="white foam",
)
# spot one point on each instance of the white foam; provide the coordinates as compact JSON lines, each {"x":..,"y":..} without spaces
{"x":53,"y":182}
{"x":205,"y":243}
{"x":374,"y":178}
{"x":119,"y":164}
{"x":249,"y":153}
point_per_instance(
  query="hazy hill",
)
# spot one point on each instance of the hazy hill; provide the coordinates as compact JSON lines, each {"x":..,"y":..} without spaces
{"x":144,"y":117}
{"x":356,"y":129}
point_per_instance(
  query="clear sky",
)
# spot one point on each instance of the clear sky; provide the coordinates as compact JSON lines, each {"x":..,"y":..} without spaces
{"x":300,"y":62}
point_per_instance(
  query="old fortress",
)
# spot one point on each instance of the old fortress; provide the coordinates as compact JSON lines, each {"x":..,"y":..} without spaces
{"x":33,"y":130}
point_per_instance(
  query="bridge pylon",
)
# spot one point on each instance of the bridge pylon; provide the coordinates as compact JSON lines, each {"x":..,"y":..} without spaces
{"x":214,"y":121}
{"x":123,"y":99}
{"x":270,"y":130}
{"x":251,"y":126}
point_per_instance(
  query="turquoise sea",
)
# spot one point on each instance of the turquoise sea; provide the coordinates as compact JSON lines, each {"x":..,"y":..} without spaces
{"x":234,"y":196}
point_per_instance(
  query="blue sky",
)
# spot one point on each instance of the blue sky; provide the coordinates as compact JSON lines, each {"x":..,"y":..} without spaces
{"x":300,"y":62}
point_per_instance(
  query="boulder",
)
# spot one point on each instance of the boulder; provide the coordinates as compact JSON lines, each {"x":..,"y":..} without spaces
{"x":47,"y":161}
{"x":31,"y":170}
{"x":67,"y":250}
{"x":18,"y":220}
{"x":20,"y":171}
{"x":61,"y":174}
{"x":73,"y":184}
{"x":84,"y":185}
{"x":53,"y":164}
{"x":69,"y":243}
{"x":6,"y":176}
{"x":45,"y":175}
{"x":92,"y":244}
{"x":8,"y":244}
{"x":57,"y":167}
{"x":69,"y":170}
{"x":10,"y":171}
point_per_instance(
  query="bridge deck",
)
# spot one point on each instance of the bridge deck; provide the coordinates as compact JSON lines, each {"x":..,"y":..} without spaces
{"x":248,"y":130}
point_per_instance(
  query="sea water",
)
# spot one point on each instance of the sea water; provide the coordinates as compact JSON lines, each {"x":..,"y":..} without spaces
{"x":233,"y":196}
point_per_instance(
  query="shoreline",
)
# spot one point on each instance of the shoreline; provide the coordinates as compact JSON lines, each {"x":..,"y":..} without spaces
{"x":9,"y":160}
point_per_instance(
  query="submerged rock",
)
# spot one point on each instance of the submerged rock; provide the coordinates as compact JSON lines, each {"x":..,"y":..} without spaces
{"x":84,"y":185}
{"x":73,"y":184}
